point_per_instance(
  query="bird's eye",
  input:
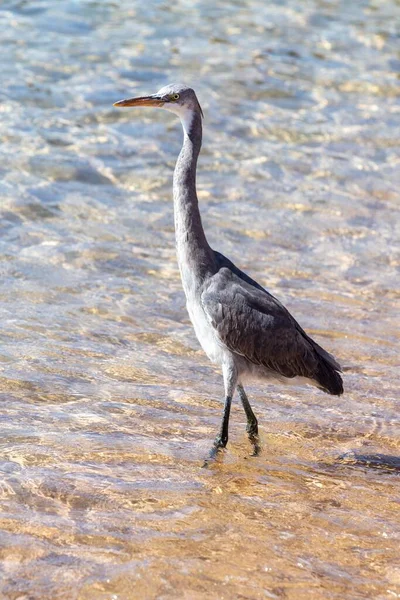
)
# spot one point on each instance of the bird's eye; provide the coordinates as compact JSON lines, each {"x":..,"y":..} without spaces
{"x":175,"y":96}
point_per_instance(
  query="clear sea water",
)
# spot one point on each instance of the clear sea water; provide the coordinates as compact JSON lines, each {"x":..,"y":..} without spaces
{"x":108,"y":404}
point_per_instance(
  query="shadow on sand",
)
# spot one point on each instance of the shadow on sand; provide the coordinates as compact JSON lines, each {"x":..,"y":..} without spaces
{"x":382,"y":462}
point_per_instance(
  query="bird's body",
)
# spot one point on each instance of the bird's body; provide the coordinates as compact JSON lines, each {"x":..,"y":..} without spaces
{"x":239,"y":325}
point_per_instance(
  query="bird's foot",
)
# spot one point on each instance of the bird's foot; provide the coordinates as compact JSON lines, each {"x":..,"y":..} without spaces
{"x":255,"y":442}
{"x":252,"y":432}
{"x":219,"y":443}
{"x":252,"y":428}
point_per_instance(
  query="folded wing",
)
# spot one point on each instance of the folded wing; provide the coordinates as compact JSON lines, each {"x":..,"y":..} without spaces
{"x":254,"y":324}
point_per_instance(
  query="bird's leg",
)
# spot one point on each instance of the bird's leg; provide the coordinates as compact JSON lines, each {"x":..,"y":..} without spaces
{"x":222,"y":438}
{"x":230,"y":378}
{"x":252,"y":423}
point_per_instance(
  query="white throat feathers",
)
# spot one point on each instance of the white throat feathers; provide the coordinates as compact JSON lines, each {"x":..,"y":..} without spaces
{"x":185,"y":114}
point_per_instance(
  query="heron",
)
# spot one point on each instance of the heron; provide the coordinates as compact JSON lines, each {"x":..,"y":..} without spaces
{"x":239,"y":324}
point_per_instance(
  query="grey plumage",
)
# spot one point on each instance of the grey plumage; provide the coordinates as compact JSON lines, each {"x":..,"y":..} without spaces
{"x":240,"y":326}
{"x":255,"y":325}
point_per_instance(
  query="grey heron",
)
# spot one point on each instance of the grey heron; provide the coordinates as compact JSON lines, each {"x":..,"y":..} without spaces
{"x":240,"y":326}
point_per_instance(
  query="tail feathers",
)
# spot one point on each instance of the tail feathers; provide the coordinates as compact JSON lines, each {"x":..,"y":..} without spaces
{"x":328,"y":377}
{"x":328,"y":358}
{"x":323,"y":354}
{"x":328,"y":372}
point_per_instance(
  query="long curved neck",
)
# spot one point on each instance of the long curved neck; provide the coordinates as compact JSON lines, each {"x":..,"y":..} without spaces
{"x":195,"y":256}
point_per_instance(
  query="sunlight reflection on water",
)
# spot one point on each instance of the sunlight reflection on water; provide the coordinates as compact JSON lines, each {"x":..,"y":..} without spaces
{"x":108,"y":403}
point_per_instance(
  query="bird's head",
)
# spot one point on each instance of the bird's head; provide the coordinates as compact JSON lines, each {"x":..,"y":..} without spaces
{"x":176,"y":97}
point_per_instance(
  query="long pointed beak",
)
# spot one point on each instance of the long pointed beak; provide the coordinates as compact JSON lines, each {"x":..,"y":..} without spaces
{"x":141,"y":101}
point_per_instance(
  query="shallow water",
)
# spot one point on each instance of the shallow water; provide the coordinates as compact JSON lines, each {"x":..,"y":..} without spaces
{"x":107,"y":403}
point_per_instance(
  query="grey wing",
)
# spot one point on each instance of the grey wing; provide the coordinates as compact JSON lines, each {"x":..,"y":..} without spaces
{"x":252,"y":323}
